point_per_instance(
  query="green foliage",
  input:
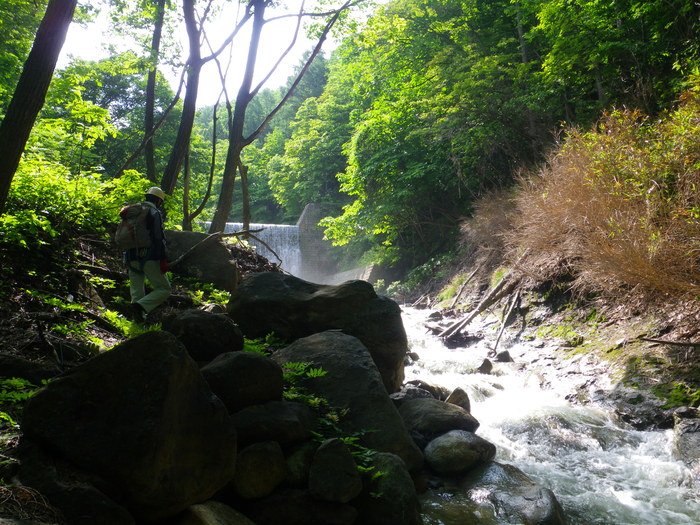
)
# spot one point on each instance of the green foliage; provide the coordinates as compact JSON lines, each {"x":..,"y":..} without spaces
{"x":205,"y":293}
{"x":294,"y":375}
{"x":262,"y":345}
{"x":15,"y":390}
{"x":328,"y":428}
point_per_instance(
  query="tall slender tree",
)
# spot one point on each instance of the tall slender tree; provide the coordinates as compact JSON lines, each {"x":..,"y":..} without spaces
{"x":31,"y":89}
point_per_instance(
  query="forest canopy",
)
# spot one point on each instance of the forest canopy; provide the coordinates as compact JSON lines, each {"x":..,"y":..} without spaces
{"x":419,"y":111}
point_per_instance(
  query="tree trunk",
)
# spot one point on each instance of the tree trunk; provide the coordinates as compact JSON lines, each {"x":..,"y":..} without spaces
{"x":31,"y":89}
{"x":148,"y":120}
{"x":189,"y":106}
{"x":236,"y":143}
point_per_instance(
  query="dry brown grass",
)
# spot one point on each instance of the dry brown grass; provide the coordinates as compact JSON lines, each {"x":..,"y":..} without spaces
{"x":618,"y":208}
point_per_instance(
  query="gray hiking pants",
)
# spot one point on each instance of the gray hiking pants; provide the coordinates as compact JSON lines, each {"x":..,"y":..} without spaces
{"x":159,"y":283}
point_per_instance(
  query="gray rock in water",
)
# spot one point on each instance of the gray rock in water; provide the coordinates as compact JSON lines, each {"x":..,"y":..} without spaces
{"x":293,"y":308}
{"x":352,"y":382}
{"x":485,"y":367}
{"x":460,"y":398}
{"x":242,"y":379}
{"x":457,"y":451}
{"x":686,"y":439}
{"x":514,"y":496}
{"x":431,"y":417}
{"x":142,"y":418}
{"x":409,"y":392}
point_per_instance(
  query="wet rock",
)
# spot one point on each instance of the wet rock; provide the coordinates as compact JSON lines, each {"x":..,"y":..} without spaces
{"x":485,"y":367}
{"x":504,"y":357}
{"x":686,"y":439}
{"x":460,"y":398}
{"x":436,"y":391}
{"x":409,"y":392}
{"x":515,"y":497}
{"x":458,"y":451}
{"x":242,"y":379}
{"x":431,"y":417}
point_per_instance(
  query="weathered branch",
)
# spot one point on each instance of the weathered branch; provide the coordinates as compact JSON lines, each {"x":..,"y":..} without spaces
{"x":504,"y":322}
{"x":502,"y":288}
{"x":673,"y":343}
{"x":464,"y":285}
{"x":302,"y":72}
{"x":208,"y":238}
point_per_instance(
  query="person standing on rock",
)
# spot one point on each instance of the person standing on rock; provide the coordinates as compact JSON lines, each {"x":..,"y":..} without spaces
{"x":148,"y":260}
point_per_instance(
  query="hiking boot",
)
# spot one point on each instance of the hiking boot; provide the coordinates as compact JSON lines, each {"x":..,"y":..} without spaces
{"x":139,"y":314}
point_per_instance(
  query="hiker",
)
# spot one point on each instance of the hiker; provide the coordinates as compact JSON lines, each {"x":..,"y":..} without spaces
{"x":150,"y":262}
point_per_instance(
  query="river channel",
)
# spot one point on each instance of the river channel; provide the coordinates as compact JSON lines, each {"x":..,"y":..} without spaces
{"x":601,"y":471}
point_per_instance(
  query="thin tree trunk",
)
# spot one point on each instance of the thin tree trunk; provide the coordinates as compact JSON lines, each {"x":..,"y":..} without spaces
{"x":151,"y":93}
{"x":30,"y":93}
{"x":233,"y":157}
{"x":189,"y":106}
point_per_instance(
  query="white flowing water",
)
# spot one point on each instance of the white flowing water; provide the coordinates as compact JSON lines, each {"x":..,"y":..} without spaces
{"x":600,"y":471}
{"x":282,"y":238}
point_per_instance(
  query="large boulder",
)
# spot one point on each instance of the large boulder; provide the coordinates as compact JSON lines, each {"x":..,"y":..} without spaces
{"x":298,"y":507}
{"x":242,"y":379}
{"x":390,"y":497}
{"x":686,"y":439}
{"x":353,"y":385}
{"x":286,"y":422}
{"x":212,"y":513}
{"x":292,"y":308}
{"x":205,"y":335}
{"x":457,"y":451}
{"x":260,"y":468}
{"x":333,"y":474}
{"x":202,"y":257}
{"x":515,"y":497}
{"x":430,"y":417}
{"x":142,"y":418}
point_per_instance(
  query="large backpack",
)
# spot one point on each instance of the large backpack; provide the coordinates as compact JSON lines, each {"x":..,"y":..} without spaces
{"x":132,"y":231}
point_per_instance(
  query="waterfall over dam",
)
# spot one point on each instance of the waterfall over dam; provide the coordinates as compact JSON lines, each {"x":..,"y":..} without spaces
{"x":299,"y":248}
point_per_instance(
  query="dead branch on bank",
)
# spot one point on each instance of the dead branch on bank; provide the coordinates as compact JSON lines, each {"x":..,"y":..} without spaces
{"x":209,"y":238}
{"x":464,"y":285}
{"x":504,"y":322}
{"x":504,"y":287}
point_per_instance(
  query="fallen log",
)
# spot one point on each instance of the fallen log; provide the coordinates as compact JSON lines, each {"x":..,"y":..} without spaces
{"x":504,"y":287}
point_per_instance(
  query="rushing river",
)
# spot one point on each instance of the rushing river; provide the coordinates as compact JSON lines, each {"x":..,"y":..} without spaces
{"x":601,"y":472}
